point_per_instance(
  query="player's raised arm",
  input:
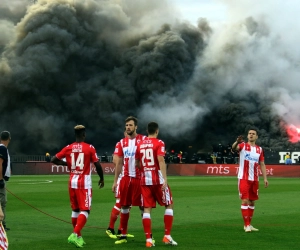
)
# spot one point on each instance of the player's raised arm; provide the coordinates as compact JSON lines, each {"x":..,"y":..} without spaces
{"x":100,"y":173}
{"x":239,"y":139}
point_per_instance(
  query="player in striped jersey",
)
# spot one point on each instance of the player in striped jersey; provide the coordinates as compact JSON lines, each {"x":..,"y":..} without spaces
{"x":129,"y":186}
{"x":251,"y":158}
{"x":3,"y":236}
{"x":79,"y":156}
{"x":110,"y":231}
{"x":150,"y":158}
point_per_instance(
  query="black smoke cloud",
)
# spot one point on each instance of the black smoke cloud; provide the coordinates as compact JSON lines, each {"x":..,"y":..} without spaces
{"x":96,"y":62}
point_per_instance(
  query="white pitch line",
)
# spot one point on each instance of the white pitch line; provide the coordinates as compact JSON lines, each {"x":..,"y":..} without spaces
{"x":35,"y":182}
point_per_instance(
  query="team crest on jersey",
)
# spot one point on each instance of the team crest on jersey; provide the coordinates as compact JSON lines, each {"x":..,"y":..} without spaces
{"x":249,"y":157}
{"x":128,"y":154}
{"x":77,"y":148}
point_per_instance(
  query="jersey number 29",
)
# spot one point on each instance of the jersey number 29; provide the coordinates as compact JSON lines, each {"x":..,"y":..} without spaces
{"x":147,"y":154}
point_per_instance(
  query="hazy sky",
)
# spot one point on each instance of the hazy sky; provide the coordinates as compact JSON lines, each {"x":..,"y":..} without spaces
{"x":191,"y":10}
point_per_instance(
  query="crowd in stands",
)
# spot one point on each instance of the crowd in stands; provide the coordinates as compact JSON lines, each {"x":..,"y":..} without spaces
{"x":220,"y":154}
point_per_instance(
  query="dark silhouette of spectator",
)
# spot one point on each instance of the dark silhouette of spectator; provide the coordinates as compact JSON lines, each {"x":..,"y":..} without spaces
{"x":230,"y":158}
{"x":47,"y":157}
{"x":209,"y":159}
{"x":104,"y":157}
{"x":194,"y":159}
{"x":167,"y":157}
{"x":219,"y":159}
{"x":185,"y":157}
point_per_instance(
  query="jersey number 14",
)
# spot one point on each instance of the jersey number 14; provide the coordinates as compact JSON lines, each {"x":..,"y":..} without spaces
{"x":79,"y":162}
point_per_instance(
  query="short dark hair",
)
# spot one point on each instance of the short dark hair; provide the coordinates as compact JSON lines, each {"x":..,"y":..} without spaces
{"x":5,"y":136}
{"x":132,"y":118}
{"x":254,"y":129}
{"x":79,"y":131}
{"x":152,"y":127}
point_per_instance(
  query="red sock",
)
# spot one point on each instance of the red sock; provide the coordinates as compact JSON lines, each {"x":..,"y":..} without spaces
{"x":81,"y":220}
{"x":250,"y":213}
{"x":74,"y":222}
{"x":74,"y":218}
{"x":124,"y":220}
{"x":168,"y":220}
{"x":244,"y":210}
{"x":114,"y":215}
{"x":147,"y":225}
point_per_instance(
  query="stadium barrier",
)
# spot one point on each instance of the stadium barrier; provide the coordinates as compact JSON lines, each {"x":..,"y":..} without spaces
{"x":45,"y":168}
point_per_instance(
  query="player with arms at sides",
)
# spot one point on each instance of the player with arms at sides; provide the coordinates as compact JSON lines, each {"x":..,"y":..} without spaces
{"x":110,"y":231}
{"x":150,"y":159}
{"x":129,"y":186}
{"x":79,"y":158}
{"x":251,"y":157}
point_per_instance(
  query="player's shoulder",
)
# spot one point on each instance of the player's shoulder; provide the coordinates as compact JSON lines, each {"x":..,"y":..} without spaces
{"x":3,"y":151}
{"x":87,"y":146}
{"x":3,"y":148}
{"x":158,"y":141}
{"x":69,"y":146}
{"x":123,"y":141}
{"x":259,"y":148}
{"x":140,"y":137}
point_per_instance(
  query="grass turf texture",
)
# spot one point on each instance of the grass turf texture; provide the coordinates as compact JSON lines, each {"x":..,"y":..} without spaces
{"x":206,"y":215}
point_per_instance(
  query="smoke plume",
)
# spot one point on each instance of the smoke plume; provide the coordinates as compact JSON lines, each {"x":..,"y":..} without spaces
{"x":95,"y":62}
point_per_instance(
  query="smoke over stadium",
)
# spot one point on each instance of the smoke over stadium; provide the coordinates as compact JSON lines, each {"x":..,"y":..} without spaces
{"x":95,"y":62}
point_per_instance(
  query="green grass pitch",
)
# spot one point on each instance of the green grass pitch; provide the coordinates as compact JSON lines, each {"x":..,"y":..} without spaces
{"x":206,"y":215}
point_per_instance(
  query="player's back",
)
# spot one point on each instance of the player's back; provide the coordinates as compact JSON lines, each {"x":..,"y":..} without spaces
{"x":79,"y":156}
{"x":148,"y":151}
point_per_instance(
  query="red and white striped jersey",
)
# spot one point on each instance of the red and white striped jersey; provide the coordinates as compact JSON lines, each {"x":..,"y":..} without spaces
{"x":147,"y":152}
{"x":79,"y":157}
{"x":126,"y":149}
{"x":250,"y":157}
{"x":3,"y":238}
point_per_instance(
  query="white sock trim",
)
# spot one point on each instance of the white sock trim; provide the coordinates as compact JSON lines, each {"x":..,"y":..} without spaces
{"x":74,"y":214}
{"x":146,"y":216}
{"x":169,"y":212}
{"x":125,"y":211}
{"x":86,"y":214}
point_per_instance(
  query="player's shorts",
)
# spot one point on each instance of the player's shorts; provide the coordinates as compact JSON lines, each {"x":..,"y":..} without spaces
{"x":130,"y":191}
{"x":117,"y":193}
{"x":80,"y":198}
{"x":153,"y":193}
{"x":248,"y":189}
